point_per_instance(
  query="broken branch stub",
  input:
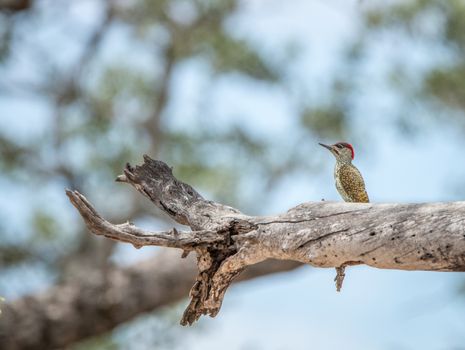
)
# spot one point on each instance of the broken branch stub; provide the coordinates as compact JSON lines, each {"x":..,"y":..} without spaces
{"x":323,"y":234}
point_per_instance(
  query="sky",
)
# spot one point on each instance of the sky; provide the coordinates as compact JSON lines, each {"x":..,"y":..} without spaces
{"x":376,"y":309}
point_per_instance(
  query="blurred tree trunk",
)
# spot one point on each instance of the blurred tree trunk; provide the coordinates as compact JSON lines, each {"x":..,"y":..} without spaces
{"x":77,"y":310}
{"x":15,"y":5}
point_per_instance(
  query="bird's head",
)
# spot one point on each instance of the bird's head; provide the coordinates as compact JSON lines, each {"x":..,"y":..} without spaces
{"x":344,"y":152}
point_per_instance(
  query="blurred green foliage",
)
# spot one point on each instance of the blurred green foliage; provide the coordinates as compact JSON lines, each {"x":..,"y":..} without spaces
{"x":45,"y":226}
{"x":446,"y":85}
{"x":329,"y":121}
{"x":440,"y":28}
{"x":104,"y":113}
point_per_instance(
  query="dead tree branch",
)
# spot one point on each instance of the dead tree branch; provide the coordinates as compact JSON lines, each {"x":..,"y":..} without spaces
{"x":391,"y":236}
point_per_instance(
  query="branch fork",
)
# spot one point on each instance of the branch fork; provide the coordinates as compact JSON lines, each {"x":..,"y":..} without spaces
{"x":322,"y":234}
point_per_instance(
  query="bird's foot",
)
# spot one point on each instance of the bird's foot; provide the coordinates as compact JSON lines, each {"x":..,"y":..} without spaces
{"x":339,"y":279}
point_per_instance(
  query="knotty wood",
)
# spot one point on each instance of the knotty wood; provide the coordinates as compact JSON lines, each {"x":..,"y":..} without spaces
{"x":428,"y":236}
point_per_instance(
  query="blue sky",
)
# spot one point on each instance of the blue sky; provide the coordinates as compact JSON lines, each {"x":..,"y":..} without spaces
{"x":377,"y":309}
{"x":300,"y":310}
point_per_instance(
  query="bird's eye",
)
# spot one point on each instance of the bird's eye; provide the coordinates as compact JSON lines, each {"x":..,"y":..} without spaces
{"x":339,"y":146}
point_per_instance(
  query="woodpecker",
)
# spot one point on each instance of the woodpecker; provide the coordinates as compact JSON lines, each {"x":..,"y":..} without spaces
{"x":349,"y":181}
{"x":349,"y":184}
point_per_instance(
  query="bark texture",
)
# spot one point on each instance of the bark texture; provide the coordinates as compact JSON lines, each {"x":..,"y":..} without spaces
{"x":75,"y":311}
{"x":323,"y":234}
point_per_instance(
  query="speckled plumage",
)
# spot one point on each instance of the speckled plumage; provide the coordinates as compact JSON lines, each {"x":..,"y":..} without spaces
{"x":349,"y":181}
{"x":350,"y":184}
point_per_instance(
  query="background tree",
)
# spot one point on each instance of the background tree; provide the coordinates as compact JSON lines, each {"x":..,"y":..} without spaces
{"x":89,"y":85}
{"x":101,"y":110}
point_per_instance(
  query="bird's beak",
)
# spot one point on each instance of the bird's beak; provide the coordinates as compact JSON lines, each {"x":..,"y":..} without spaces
{"x":326,"y":146}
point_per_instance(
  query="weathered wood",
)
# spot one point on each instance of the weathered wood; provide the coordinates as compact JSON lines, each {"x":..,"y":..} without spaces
{"x":427,"y":237}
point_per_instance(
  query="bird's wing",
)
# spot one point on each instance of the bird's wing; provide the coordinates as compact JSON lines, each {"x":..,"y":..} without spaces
{"x":352,"y":183}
